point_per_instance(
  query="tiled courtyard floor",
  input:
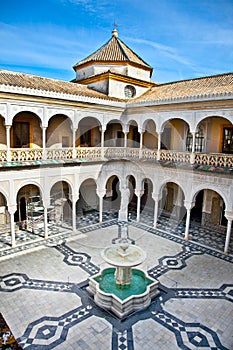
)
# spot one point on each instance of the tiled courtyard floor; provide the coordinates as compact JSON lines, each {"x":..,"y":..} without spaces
{"x":43,"y":294}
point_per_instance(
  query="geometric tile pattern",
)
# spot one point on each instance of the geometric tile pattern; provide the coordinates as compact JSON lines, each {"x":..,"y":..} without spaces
{"x":77,"y":259}
{"x":192,"y":245}
{"x":224,"y":292}
{"x":122,"y":340}
{"x":197,"y":233}
{"x":176,"y":262}
{"x":48,"y":332}
{"x":16,"y":281}
{"x":189,"y":335}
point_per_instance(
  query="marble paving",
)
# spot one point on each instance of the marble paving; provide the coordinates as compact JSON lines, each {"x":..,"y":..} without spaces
{"x":44,"y":300}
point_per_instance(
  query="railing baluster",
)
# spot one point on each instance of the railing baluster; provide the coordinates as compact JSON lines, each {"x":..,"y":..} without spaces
{"x":94,"y":153}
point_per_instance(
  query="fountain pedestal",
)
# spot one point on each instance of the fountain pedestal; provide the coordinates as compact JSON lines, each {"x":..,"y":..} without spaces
{"x":123,"y":275}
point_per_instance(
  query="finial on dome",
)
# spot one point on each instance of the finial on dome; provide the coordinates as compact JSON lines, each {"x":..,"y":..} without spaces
{"x":115,"y":31}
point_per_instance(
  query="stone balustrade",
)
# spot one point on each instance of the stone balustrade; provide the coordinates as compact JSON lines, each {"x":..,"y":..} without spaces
{"x":58,"y":153}
{"x":97,"y":153}
{"x":174,"y":156}
{"x":214,"y":159}
{"x":88,"y":153}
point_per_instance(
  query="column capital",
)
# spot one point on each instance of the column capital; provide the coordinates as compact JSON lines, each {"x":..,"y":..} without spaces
{"x":228,"y":215}
{"x":125,"y":129}
{"x":100,"y":192}
{"x":138,"y":193}
{"x":102,"y":128}
{"x":74,"y":197}
{"x":189,"y":205}
{"x":12,"y":208}
{"x":156,"y":196}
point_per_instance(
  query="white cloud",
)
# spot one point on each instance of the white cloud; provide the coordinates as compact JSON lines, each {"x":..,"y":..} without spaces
{"x":46,"y":46}
{"x":166,"y":51}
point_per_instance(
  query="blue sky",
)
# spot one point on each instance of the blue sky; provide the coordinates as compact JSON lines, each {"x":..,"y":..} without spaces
{"x":180,"y":39}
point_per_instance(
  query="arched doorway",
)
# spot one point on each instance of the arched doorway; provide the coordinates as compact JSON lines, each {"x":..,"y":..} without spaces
{"x":88,"y":201}
{"x":171,"y":204}
{"x":209,"y":210}
{"x":61,"y":205}
{"x":114,"y":136}
{"x":174,"y":135}
{"x":26,"y":131}
{"x":150,"y":138}
{"x":4,"y":215}
{"x":147,"y":203}
{"x":133,"y":135}
{"x":132,"y":208}
{"x":30,"y":211}
{"x":112,"y":198}
{"x":88,"y":134}
{"x":59,"y":133}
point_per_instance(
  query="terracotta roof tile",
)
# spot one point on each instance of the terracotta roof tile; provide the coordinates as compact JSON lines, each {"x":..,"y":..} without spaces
{"x":47,"y":84}
{"x":217,"y":84}
{"x":114,"y":50}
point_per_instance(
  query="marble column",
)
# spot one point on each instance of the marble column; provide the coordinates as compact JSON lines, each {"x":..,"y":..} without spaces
{"x":125,"y":139}
{"x":101,"y":194}
{"x":139,"y":194}
{"x":123,"y":212}
{"x":186,"y":235}
{"x":12,"y":210}
{"x":159,"y":145}
{"x":102,"y":142}
{"x":74,"y":143}
{"x":188,"y":206}
{"x":8,"y":128}
{"x":156,"y":199}
{"x":46,"y":234}
{"x":228,"y":234}
{"x":192,"y":157}
{"x":44,"y":141}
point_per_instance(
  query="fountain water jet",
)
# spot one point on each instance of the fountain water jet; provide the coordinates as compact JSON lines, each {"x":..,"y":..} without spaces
{"x":122,"y":289}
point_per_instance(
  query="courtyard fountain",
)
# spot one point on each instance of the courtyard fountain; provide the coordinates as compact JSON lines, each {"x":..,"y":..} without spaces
{"x":123,"y":289}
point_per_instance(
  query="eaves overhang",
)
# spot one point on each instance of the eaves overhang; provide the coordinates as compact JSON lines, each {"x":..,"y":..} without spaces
{"x":195,"y":98}
{"x":59,"y":95}
{"x":117,"y":77}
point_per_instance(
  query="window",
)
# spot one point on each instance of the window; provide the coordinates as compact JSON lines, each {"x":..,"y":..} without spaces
{"x":130,"y":91}
{"x":21,"y":134}
{"x":227,"y":140}
{"x":65,"y":141}
{"x":199,"y":141}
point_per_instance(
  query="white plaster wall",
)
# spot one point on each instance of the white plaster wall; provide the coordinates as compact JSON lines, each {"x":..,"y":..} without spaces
{"x":101,"y":86}
{"x":124,"y":69}
{"x":116,"y":89}
{"x":85,"y":72}
{"x":138,"y":73}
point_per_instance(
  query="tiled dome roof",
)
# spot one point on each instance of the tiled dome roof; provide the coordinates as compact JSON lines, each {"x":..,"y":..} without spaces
{"x":114,"y":50}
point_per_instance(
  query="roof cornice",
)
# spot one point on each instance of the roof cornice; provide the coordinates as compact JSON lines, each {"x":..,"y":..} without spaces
{"x":115,"y":63}
{"x":197,"y":98}
{"x":59,"y":95}
{"x":118,"y":77}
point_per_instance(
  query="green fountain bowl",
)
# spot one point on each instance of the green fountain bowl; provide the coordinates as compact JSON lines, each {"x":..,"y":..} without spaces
{"x":138,"y":286}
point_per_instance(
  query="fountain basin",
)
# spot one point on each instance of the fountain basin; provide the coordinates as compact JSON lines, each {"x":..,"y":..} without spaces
{"x":122,"y":300}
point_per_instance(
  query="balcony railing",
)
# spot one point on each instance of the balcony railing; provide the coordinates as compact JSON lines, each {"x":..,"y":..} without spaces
{"x":173,"y":156}
{"x":98,"y":154}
